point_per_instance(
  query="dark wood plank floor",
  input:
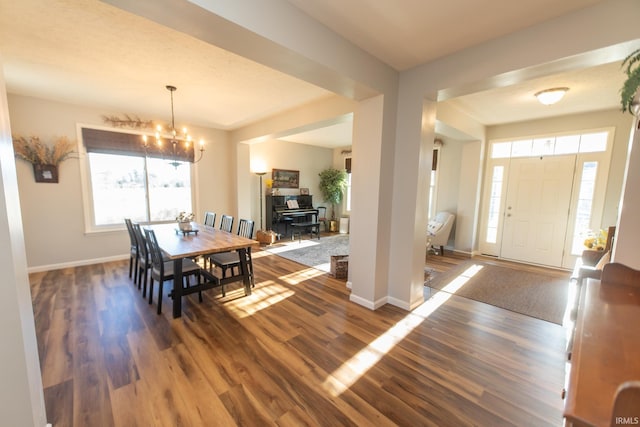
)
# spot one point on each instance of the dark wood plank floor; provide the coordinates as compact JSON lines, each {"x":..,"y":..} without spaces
{"x":296,"y":352}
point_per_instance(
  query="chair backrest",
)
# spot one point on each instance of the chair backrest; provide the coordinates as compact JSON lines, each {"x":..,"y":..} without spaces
{"x":154,"y":251}
{"x":440,"y":228}
{"x":625,"y":403}
{"x":245,"y":228}
{"x":322,"y":213}
{"x":209,"y":218}
{"x":226,"y":223}
{"x":142,"y":243}
{"x":616,"y":273}
{"x":132,"y":236}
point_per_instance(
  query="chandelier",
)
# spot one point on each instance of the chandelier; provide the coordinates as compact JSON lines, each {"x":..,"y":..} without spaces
{"x":180,"y":144}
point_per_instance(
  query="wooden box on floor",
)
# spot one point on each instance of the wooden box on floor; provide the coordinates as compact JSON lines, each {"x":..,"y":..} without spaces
{"x":266,"y":237}
{"x":339,"y":266}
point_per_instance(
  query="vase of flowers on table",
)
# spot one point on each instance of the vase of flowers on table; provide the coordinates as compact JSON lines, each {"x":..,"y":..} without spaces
{"x":184,"y":221}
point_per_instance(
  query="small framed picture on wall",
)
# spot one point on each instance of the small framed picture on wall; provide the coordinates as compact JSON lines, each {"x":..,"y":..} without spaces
{"x":304,"y":191}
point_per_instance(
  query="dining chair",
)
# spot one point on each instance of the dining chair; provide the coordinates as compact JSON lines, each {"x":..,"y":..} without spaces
{"x":209,"y":218}
{"x":144,"y":259}
{"x":322,"y":216}
{"x":230,"y":260}
{"x":133,"y":251}
{"x":144,"y":263}
{"x":226,"y":223}
{"x":162,"y":270}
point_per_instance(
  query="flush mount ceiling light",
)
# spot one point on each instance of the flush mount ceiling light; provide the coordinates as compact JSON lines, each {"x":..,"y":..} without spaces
{"x":551,"y":96}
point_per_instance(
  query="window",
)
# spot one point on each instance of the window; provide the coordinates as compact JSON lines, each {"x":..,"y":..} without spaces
{"x":347,"y":165}
{"x":125,"y":184}
{"x":433,"y":184}
{"x":585,"y":205}
{"x":550,"y":146}
{"x":495,"y":200}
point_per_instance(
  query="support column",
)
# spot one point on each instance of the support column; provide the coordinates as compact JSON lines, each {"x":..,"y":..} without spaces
{"x":625,"y":247}
{"x":371,"y":215}
{"x":413,"y":155}
{"x":21,"y":393}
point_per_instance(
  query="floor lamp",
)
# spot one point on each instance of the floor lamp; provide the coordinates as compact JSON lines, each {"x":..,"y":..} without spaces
{"x":260,"y":174}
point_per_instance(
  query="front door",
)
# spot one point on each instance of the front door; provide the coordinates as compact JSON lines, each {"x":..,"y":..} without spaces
{"x":537,"y":209}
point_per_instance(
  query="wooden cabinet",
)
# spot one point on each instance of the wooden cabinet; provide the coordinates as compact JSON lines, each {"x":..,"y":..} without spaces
{"x":605,"y":352}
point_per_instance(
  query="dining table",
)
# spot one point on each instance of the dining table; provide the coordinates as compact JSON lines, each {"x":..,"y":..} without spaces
{"x":202,"y":240}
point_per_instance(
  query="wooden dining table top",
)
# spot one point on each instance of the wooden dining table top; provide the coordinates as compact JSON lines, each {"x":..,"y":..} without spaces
{"x":208,"y":240}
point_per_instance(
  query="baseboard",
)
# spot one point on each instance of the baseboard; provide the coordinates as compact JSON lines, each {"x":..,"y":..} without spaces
{"x":80,"y":263}
{"x":467,"y":253}
{"x":371,"y":305}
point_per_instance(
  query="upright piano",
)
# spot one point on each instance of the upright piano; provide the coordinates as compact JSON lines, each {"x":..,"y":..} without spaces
{"x":279,"y":214}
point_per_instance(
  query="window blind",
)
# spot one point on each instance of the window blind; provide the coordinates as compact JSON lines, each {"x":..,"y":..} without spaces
{"x":129,"y":144}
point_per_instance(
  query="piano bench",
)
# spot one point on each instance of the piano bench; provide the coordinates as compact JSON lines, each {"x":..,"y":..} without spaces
{"x":301,"y":227}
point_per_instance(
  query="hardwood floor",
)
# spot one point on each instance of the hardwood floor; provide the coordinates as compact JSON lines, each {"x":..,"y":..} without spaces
{"x":295,"y":352}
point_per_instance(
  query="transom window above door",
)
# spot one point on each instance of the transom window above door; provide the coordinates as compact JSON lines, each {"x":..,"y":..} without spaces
{"x":551,"y":146}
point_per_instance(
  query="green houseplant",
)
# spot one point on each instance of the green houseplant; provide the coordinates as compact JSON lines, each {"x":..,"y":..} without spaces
{"x":332,"y":185}
{"x":631,"y":66}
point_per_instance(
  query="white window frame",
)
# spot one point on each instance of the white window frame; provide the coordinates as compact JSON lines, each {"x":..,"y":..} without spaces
{"x":347,"y":199}
{"x":433,"y":184}
{"x":85,"y":181}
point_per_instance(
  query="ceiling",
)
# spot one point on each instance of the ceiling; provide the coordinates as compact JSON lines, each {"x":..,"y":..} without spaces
{"x":88,"y":52}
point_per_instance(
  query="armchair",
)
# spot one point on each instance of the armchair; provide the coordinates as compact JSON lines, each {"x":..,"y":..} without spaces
{"x":439,"y":230}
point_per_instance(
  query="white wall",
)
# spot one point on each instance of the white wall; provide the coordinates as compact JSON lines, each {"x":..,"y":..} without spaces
{"x":52,"y":214}
{"x":468,"y":212}
{"x":276,"y":154}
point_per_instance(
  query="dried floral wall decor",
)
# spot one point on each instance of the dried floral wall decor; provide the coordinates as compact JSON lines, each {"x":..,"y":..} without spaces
{"x":44,"y":158}
{"x":130,"y":121}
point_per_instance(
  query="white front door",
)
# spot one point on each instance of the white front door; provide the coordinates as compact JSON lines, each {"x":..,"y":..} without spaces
{"x":537,"y":209}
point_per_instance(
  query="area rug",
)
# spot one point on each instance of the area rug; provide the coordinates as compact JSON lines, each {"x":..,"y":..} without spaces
{"x":539,"y":295}
{"x":314,"y":253}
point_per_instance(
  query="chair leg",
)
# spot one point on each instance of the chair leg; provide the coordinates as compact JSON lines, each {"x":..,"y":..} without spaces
{"x":130,"y":267}
{"x":144,"y":283}
{"x":441,"y":250}
{"x":151,"y":291}
{"x":160,"y":286}
{"x":137,"y":265}
{"x":224,"y":274}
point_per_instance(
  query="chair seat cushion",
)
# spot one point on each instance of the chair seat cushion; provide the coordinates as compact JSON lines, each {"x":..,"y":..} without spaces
{"x":225,"y":259}
{"x":188,"y":267}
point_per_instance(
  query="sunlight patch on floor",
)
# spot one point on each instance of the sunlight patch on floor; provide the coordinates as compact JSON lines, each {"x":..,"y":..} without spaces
{"x":292,"y":246}
{"x":353,"y":369}
{"x":260,"y":254}
{"x":263,"y":296}
{"x":302,"y":275}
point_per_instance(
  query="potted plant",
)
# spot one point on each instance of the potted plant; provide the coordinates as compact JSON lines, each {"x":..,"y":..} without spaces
{"x":184,"y":221}
{"x":332,"y":185}
{"x":631,"y":66}
{"x":45,"y":159}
